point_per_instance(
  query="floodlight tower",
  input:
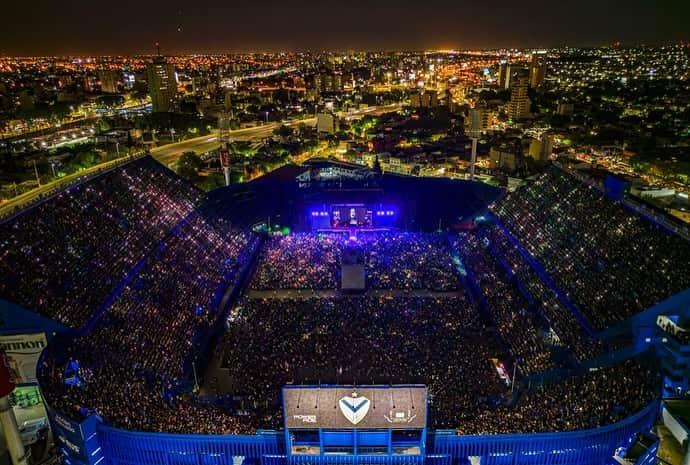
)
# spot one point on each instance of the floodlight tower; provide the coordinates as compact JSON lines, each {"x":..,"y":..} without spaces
{"x":475,"y":129}
{"x":224,"y":138}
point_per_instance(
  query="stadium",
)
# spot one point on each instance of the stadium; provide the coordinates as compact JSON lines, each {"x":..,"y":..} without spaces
{"x":324,"y":314}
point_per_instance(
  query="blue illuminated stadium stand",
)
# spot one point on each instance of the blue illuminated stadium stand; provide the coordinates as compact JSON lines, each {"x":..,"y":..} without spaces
{"x":93,"y":442}
{"x":120,"y":447}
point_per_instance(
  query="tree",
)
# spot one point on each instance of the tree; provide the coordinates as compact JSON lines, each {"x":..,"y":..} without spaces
{"x":283,"y":131}
{"x":189,"y":165}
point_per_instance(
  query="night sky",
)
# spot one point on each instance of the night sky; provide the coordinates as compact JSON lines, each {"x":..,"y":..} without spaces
{"x":43,"y":27}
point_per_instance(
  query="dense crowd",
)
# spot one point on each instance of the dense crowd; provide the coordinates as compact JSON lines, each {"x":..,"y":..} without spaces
{"x":131,"y":243}
{"x":299,"y":261}
{"x":408,"y":261}
{"x":130,"y":361}
{"x":393,"y":260}
{"x":442,"y":343}
{"x":510,"y":309}
{"x":581,"y":402}
{"x":568,"y":332}
{"x":63,"y":257}
{"x":609,"y":261}
{"x":272,"y":342}
{"x":128,"y":368}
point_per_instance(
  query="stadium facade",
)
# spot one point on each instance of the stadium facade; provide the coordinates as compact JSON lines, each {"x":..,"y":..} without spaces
{"x":421,"y":204}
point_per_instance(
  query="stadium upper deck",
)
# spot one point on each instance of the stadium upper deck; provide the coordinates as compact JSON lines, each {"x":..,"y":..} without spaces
{"x":130,"y":258}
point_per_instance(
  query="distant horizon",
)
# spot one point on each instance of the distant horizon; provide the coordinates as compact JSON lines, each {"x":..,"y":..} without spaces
{"x":622,"y":46}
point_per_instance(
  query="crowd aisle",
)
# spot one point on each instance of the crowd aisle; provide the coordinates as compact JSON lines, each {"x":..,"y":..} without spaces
{"x":512,"y":313}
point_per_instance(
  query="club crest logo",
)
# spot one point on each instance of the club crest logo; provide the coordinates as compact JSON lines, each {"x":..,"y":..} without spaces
{"x":354,"y":408}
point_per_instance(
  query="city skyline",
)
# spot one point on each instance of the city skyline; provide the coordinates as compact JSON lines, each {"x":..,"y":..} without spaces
{"x":213,"y":27}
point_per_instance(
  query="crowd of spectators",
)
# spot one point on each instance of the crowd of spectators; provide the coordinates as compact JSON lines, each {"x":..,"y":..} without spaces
{"x":130,"y":242}
{"x":580,"y":402}
{"x":272,"y":342}
{"x":299,"y":261}
{"x":62,"y":258}
{"x":609,"y":261}
{"x":440,"y":342}
{"x":405,"y":260}
{"x":128,"y":368}
{"x":511,"y":311}
{"x":129,"y":363}
{"x":568,"y":331}
{"x":393,"y":260}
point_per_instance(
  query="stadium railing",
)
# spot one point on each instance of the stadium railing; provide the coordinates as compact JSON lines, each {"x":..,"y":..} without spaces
{"x":594,"y":446}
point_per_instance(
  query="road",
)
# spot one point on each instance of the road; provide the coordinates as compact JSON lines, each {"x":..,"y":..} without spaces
{"x":168,"y":154}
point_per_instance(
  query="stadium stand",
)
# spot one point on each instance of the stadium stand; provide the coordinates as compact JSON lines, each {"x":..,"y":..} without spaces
{"x":513,"y":314}
{"x":63,"y":257}
{"x":149,"y":272}
{"x":610,"y":262}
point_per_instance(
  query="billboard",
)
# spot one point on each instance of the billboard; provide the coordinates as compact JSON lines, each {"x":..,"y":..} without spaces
{"x":22,"y":352}
{"x":67,"y":434}
{"x":347,"y":407}
{"x":6,"y":379}
{"x":224,"y":158}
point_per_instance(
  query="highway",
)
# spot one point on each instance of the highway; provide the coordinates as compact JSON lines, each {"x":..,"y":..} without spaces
{"x":168,"y":154}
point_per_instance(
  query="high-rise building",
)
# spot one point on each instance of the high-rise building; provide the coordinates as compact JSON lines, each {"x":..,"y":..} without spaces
{"x":328,"y":81}
{"x":541,"y":149}
{"x":162,"y":85}
{"x":430,"y":99}
{"x":508,"y":74}
{"x":108,"y":80}
{"x":518,"y":107}
{"x":537,"y":70}
{"x":504,"y":76}
{"x":504,"y":158}
{"x":479,"y":119}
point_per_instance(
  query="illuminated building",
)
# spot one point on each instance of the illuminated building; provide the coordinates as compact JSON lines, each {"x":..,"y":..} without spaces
{"x":162,"y":85}
{"x":504,"y":76}
{"x":426,"y":99}
{"x":518,"y":107}
{"x":540,"y":149}
{"x":108,"y":80}
{"x":537,"y":70}
{"x":326,"y":123}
